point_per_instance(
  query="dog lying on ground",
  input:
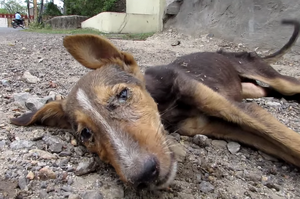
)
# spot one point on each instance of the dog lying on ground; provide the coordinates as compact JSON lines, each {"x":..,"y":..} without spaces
{"x":123,"y":116}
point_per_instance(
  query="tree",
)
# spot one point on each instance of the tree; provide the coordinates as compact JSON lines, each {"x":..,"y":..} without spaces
{"x":13,"y":6}
{"x":87,"y":7}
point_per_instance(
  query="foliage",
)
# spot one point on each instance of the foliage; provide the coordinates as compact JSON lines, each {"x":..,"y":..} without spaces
{"x":88,"y":7}
{"x":47,"y":30}
{"x":3,"y":11}
{"x":13,"y":6}
{"x":51,"y":9}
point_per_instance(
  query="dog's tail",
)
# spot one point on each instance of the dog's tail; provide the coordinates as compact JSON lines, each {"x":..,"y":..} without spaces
{"x":275,"y":56}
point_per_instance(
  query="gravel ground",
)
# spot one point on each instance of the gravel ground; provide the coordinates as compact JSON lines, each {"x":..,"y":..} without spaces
{"x":39,"y":162}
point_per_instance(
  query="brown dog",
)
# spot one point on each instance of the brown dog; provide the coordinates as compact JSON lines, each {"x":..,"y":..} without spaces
{"x":121,"y":114}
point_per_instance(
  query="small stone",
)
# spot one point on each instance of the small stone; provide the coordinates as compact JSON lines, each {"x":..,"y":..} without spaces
{"x":21,"y":144}
{"x":92,"y":195}
{"x":5,"y":82}
{"x":74,"y":142}
{"x":56,"y":147}
{"x":43,"y":194}
{"x":30,"y":78}
{"x":233,"y":147}
{"x":206,"y":187}
{"x":219,"y":143}
{"x":40,"y":60}
{"x":200,"y":140}
{"x":74,"y":196}
{"x":273,"y":104}
{"x":45,"y":173}
{"x":86,"y":166}
{"x":30,"y":175}
{"x":268,"y":157}
{"x":22,"y":182}
{"x":43,"y":154}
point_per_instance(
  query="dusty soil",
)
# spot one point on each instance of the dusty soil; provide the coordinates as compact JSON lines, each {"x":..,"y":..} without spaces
{"x":39,"y":162}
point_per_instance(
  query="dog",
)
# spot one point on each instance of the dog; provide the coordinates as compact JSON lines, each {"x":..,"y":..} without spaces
{"x":123,"y":115}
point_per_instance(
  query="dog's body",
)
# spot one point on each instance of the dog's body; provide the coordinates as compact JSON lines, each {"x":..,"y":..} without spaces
{"x":113,"y":115}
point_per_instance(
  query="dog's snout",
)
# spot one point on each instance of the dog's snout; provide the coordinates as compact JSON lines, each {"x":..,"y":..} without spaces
{"x":148,"y":174}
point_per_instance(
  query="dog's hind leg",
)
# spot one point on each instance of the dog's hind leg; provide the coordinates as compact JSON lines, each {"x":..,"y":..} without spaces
{"x":285,"y":143}
{"x":220,"y":129}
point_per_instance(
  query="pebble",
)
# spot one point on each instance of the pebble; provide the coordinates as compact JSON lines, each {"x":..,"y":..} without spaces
{"x":22,"y":182}
{"x":30,"y":175}
{"x":30,"y":78}
{"x":206,"y":187}
{"x":219,"y":143}
{"x":21,"y":144}
{"x":87,"y":165}
{"x":56,"y":147}
{"x":92,"y":195}
{"x":273,"y":104}
{"x":4,"y":82}
{"x":43,"y":194}
{"x":200,"y":140}
{"x":233,"y":147}
{"x":43,"y":154}
{"x":74,"y":196}
{"x":45,"y":173}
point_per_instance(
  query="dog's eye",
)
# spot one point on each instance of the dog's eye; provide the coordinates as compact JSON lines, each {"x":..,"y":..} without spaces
{"x":86,"y":135}
{"x":123,"y":95}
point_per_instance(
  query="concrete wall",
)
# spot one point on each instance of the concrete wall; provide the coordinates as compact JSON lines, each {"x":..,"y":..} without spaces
{"x":112,"y":22}
{"x":254,"y":22}
{"x":141,"y":16}
{"x":3,"y":22}
{"x":143,"y":6}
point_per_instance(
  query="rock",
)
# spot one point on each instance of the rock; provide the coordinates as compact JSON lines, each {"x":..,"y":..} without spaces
{"x":43,"y":154}
{"x":45,"y":173}
{"x":30,"y":78}
{"x":55,"y":144}
{"x":43,"y":194}
{"x":74,"y":142}
{"x":21,"y":144}
{"x":22,"y":182}
{"x":219,"y":143}
{"x":233,"y":147}
{"x":87,"y":165}
{"x":2,"y":144}
{"x":20,"y":98}
{"x":173,"y":8}
{"x":5,"y":82}
{"x":33,"y":103}
{"x":200,"y":140}
{"x":74,"y":196}
{"x":206,"y":187}
{"x":30,"y":175}
{"x":268,"y":157}
{"x":92,"y":195}
{"x":56,"y":147}
{"x":273,"y":104}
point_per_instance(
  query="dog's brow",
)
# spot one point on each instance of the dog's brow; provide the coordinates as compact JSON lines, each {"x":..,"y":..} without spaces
{"x":126,"y":147}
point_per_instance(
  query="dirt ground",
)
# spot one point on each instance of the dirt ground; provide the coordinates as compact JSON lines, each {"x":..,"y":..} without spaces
{"x":39,"y":162}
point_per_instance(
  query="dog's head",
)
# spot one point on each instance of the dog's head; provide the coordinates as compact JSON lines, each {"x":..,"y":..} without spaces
{"x":112,"y":114}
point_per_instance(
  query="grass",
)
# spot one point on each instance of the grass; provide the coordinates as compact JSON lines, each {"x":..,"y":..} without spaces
{"x":140,"y":36}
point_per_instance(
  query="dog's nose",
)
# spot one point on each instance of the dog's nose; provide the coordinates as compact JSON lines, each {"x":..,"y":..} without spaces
{"x":149,"y":173}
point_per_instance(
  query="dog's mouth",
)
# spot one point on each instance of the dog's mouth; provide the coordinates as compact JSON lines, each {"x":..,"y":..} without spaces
{"x":165,"y":182}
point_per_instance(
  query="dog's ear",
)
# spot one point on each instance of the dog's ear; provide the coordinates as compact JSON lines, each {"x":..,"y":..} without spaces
{"x":52,"y":114}
{"x":94,"y":51}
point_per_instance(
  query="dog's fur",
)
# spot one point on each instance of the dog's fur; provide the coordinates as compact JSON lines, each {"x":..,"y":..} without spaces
{"x":121,"y":114}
